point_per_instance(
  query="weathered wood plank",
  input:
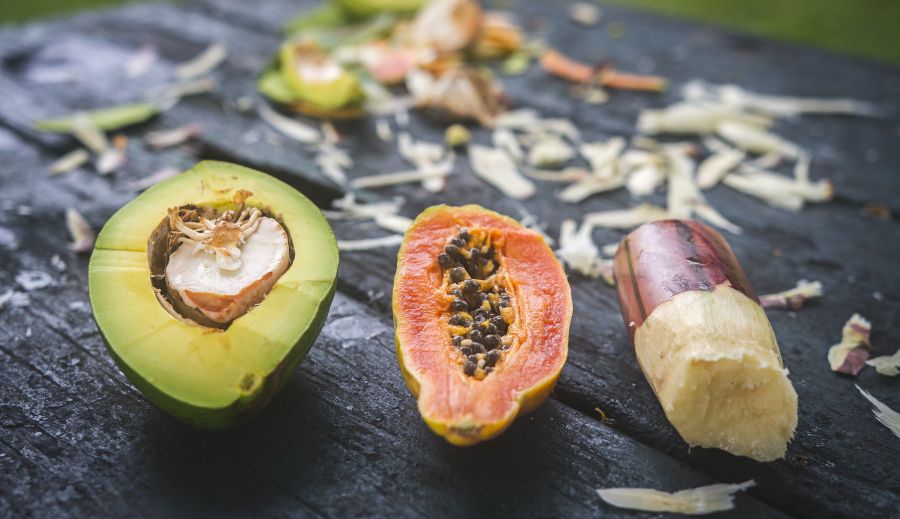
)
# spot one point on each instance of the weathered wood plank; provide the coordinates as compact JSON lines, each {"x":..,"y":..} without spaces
{"x":832,"y":243}
{"x":344,"y":438}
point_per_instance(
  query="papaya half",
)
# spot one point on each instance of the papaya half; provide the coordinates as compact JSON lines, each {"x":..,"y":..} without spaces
{"x":482,"y":309}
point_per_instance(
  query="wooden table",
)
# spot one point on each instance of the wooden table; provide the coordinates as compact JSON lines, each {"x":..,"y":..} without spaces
{"x":344,"y":437}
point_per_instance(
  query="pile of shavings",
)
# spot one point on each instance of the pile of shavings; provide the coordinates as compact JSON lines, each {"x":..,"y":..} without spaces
{"x":89,"y":127}
{"x":384,"y":214}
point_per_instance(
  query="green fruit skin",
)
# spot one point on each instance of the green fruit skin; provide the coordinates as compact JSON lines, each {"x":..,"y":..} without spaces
{"x":242,"y":409}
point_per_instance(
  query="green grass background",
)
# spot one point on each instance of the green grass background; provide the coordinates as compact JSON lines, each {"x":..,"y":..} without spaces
{"x":867,"y":28}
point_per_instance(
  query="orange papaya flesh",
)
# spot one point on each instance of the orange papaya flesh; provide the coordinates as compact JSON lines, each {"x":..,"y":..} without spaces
{"x":463,"y":394}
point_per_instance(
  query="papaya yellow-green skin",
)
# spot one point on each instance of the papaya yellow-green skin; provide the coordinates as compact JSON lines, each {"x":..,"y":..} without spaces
{"x":367,"y":8}
{"x":207,"y":377}
{"x":338,"y":93}
{"x":463,"y":410}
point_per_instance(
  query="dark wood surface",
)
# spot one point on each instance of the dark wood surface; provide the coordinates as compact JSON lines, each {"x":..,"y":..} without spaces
{"x":344,"y":437}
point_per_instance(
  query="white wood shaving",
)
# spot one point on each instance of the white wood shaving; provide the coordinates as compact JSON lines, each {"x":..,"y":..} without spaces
{"x":349,"y":209}
{"x":141,"y":62}
{"x":766,"y":161}
{"x":400,"y":177}
{"x":393,"y":222}
{"x":610,"y":249}
{"x":505,"y":139}
{"x":330,"y":132}
{"x":693,"y":501}
{"x":153,"y":179}
{"x":644,"y":180}
{"x":570,"y":174}
{"x":427,"y":157}
{"x":291,"y":128}
{"x":579,"y":252}
{"x":69,"y":161}
{"x":887,"y":416}
{"x":33,"y":279}
{"x":57,"y":263}
{"x":383,"y":130}
{"x":80,"y":230}
{"x":778,"y":106}
{"x":203,"y":63}
{"x":756,"y":140}
{"x":332,"y":167}
{"x":370,"y":243}
{"x":584,"y":13}
{"x":14,"y":298}
{"x":794,"y":298}
{"x":775,"y":197}
{"x":89,"y":134}
{"x":712,"y":170}
{"x":855,"y":334}
{"x":766,"y":184}
{"x":550,"y":151}
{"x":591,"y":185}
{"x":168,"y":95}
{"x":682,"y":194}
{"x":694,"y":119}
{"x":518,"y":119}
{"x":601,"y":154}
{"x":626,"y":218}
{"x":888,"y":365}
{"x":530,"y":221}
{"x":163,"y":139}
{"x":111,"y":160}
{"x":496,"y":168}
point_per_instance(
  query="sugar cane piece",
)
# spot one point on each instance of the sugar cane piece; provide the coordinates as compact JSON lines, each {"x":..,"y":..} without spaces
{"x":703,"y":340}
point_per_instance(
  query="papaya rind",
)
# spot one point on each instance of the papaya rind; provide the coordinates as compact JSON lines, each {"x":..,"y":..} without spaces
{"x":466,"y":431}
{"x":243,"y":407}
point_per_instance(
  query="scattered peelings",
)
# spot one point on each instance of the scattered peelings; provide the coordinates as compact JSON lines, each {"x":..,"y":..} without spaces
{"x":712,"y":170}
{"x":446,"y":25}
{"x":111,"y":118}
{"x":162,"y":139}
{"x":795,"y":298}
{"x":369,"y":243}
{"x":203,"y":63}
{"x":756,"y":140}
{"x":694,"y":501}
{"x":296,"y":130}
{"x":777,"y":106}
{"x":626,"y":218}
{"x":496,"y":168}
{"x":885,"y":415}
{"x":80,"y":230}
{"x":850,"y":355}
{"x":695,"y":119}
{"x":550,"y":151}
{"x":578,"y":251}
{"x":462,"y":94}
{"x":887,"y":365}
{"x":72,"y":160}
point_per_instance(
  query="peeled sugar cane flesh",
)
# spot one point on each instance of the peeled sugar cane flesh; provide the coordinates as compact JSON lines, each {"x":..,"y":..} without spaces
{"x":703,"y":340}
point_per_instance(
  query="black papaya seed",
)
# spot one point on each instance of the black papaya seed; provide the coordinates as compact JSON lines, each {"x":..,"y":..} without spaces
{"x":457,"y":274}
{"x":459,"y":305}
{"x":469,"y":368}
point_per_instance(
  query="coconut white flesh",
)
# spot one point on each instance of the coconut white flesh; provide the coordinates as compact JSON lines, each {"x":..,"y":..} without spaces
{"x":714,"y":363}
{"x":224,"y":295}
